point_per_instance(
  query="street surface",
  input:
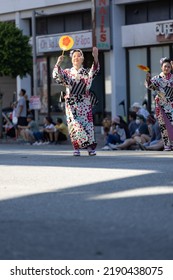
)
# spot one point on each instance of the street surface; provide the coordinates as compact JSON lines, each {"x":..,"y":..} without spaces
{"x":117,"y":205}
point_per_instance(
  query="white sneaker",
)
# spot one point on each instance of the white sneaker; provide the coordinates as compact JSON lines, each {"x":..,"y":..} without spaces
{"x":39,"y":143}
{"x":112,"y":146}
{"x":35,"y":143}
{"x":106,"y":148}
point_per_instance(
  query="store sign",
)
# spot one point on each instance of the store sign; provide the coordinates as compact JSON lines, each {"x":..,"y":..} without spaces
{"x":34,"y":103}
{"x":82,"y":40}
{"x":102,"y":24}
{"x":164,"y":31}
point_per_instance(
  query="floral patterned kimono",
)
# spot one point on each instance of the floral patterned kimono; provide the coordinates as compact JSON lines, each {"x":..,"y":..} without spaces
{"x":78,"y":106}
{"x":164,"y":105}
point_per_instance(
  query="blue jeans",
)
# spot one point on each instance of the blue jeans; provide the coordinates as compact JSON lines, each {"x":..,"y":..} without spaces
{"x":38,"y":135}
{"x":113,"y":139}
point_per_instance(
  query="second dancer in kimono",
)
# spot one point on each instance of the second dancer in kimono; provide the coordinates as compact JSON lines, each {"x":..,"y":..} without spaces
{"x":162,"y":84}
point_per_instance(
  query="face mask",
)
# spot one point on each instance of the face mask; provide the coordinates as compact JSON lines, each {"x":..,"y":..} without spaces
{"x":137,"y":121}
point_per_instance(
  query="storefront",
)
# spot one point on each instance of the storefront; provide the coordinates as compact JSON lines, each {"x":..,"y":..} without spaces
{"x":48,"y":51}
{"x":148,"y":54}
{"x":146,"y":38}
{"x":52,"y":22}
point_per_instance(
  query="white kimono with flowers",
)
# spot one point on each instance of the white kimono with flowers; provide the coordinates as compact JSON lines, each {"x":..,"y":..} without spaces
{"x":77,"y":103}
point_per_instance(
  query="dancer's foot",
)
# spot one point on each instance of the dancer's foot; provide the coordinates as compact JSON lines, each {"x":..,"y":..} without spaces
{"x":76,"y":153}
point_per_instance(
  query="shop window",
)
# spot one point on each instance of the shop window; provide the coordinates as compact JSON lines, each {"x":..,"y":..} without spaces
{"x":137,"y":90}
{"x":55,"y":24}
{"x":41,"y":25}
{"x":148,"y":12}
{"x":156,"y":53}
{"x":171,"y":10}
{"x":63,"y":23}
{"x":73,"y":22}
{"x":136,"y":85}
{"x":158,"y":10}
{"x":136,"y":13}
{"x":87,"y":20}
{"x":55,"y":104}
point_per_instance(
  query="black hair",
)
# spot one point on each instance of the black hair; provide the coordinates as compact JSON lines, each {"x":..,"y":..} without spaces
{"x":165,"y":60}
{"x":123,"y":124}
{"x":132,"y":114}
{"x":49,"y":119}
{"x":59,"y":120}
{"x":23,"y":91}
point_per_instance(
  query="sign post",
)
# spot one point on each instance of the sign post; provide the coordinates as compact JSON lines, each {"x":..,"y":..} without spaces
{"x":1,"y":95}
{"x":93,"y":23}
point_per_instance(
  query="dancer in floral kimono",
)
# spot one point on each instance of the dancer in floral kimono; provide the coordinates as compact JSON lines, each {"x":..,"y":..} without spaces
{"x":162,"y":84}
{"x":78,"y":105}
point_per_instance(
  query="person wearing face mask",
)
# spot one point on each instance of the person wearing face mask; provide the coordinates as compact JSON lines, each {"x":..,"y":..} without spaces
{"x":162,"y":84}
{"x":140,"y":110}
{"x":136,"y":137}
{"x":132,"y":126}
{"x":78,"y":105}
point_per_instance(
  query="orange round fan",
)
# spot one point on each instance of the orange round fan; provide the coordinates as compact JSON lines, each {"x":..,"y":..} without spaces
{"x":66,"y":43}
{"x":143,"y":68}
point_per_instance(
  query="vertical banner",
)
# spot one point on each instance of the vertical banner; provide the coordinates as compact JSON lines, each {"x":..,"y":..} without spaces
{"x":102,"y":24}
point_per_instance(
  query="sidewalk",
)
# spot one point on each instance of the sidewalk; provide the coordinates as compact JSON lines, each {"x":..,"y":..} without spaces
{"x":12,"y":141}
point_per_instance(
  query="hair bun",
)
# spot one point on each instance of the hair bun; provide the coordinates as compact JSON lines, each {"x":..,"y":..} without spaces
{"x":164,"y":59}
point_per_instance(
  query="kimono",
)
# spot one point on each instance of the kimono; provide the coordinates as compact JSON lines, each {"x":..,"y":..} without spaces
{"x":78,"y":107}
{"x":164,"y":105}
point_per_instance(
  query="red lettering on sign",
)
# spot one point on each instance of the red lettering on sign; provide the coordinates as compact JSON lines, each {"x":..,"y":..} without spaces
{"x":103,"y":37}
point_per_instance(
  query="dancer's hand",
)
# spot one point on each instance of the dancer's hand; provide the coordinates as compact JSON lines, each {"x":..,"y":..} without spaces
{"x":148,"y":77}
{"x":60,"y":60}
{"x":95,"y":54}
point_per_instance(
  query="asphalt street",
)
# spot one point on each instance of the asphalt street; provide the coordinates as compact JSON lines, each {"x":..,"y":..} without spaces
{"x":117,"y":205}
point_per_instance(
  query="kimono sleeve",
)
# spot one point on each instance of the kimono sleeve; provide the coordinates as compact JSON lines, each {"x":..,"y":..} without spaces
{"x":61,"y":76}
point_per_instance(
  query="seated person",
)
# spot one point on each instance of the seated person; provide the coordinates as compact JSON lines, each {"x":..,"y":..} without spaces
{"x":140,"y":110}
{"x":48,"y":129}
{"x":9,"y":129}
{"x":118,"y":133}
{"x":155,"y":136}
{"x":132,"y":125}
{"x":46,"y":136}
{"x":157,"y":146}
{"x":61,"y":131}
{"x":27,"y":131}
{"x":136,"y":137}
{"x":106,"y":123}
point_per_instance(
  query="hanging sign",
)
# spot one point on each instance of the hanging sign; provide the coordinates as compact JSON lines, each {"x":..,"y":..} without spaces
{"x":102,"y":19}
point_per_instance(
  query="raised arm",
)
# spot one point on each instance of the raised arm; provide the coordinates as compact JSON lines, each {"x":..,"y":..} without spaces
{"x":58,"y":73}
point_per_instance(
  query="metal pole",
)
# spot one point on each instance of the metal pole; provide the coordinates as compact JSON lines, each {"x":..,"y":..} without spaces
{"x":1,"y":124}
{"x":34,"y":59}
{"x":93,"y":11}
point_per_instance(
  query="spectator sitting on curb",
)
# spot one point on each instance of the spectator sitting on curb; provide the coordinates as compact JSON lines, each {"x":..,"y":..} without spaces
{"x":118,"y":133}
{"x":155,"y":138}
{"x":140,"y":110}
{"x":61,"y":131}
{"x":106,"y":123}
{"x":132,"y":125}
{"x":46,"y":136}
{"x":158,"y":146}
{"x":27,"y":132}
{"x":136,"y":138}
